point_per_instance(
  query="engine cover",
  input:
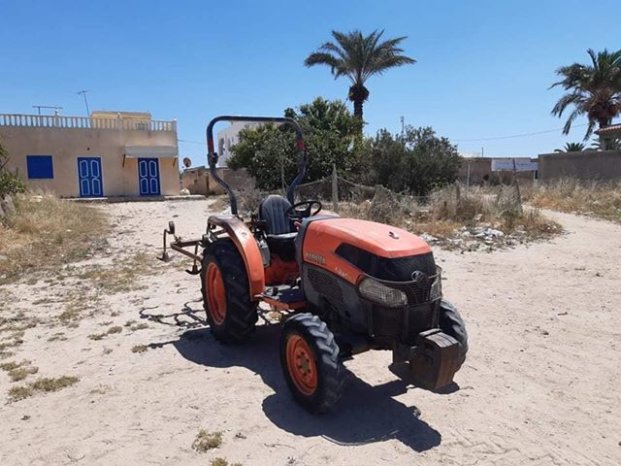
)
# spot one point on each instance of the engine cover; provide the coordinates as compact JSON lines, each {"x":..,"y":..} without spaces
{"x":367,"y":242}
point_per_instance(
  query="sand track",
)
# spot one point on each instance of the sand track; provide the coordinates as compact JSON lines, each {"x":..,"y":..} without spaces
{"x":540,"y":386}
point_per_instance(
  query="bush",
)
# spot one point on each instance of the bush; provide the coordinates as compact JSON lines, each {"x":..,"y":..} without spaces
{"x":9,"y":183}
{"x":416,"y":162}
{"x":270,"y":156}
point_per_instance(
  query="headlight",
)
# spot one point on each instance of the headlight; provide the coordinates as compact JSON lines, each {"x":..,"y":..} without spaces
{"x":436,"y":286}
{"x":382,"y":294}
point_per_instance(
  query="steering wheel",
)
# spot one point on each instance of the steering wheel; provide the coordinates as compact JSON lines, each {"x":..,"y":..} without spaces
{"x":303,"y":209}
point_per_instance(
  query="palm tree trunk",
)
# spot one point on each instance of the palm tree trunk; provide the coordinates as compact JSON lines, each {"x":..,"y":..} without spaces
{"x":358,"y":103}
{"x":603,"y":122}
{"x":604,"y":143}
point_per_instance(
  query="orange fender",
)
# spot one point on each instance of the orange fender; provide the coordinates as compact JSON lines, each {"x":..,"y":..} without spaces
{"x":247,"y":246}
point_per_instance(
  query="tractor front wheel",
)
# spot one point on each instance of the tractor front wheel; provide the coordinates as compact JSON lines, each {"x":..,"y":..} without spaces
{"x":311,"y":363}
{"x":226,"y":297}
{"x":453,"y":325}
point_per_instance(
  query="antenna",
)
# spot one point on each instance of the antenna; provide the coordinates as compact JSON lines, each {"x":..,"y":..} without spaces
{"x":402,"y":125}
{"x":83,"y":94}
{"x":56,"y":108}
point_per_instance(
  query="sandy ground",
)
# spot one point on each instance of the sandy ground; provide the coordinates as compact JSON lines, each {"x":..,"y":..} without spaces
{"x":540,"y":386}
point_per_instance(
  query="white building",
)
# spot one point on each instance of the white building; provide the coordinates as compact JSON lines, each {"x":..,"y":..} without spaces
{"x":228,"y":137}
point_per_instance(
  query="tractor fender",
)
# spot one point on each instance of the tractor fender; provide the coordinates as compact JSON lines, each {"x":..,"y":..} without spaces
{"x":248,"y":248}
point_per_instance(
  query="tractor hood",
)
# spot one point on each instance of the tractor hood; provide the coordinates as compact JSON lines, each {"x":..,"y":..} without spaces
{"x":376,"y":238}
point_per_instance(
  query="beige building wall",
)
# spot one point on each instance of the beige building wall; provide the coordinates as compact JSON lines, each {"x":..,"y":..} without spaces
{"x":65,"y":145}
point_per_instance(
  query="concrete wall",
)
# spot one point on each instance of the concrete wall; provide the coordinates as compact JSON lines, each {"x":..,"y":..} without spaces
{"x":65,"y":145}
{"x":199,"y":181}
{"x":587,"y":165}
{"x":480,"y":172}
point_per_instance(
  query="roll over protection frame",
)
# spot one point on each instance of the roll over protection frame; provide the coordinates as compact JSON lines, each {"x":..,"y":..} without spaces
{"x":212,"y":156}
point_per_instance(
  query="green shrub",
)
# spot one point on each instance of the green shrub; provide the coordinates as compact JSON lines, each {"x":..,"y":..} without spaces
{"x":9,"y":183}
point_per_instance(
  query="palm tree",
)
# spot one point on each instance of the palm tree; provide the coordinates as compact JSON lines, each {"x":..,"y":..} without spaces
{"x":572,"y":147}
{"x":359,"y":57}
{"x":607,"y":144}
{"x":594,"y":90}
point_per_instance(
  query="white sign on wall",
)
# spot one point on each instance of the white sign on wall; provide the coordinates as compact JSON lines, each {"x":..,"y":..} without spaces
{"x":520,"y":164}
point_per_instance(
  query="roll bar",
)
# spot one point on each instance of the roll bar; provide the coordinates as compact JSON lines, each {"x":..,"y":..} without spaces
{"x":212,"y":156}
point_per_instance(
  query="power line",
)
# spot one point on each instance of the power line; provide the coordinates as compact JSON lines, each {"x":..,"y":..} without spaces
{"x":515,"y":135}
{"x":512,"y":136}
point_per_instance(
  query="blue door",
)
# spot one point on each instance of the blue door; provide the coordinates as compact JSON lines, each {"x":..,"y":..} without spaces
{"x":149,"y":177}
{"x":89,"y":176}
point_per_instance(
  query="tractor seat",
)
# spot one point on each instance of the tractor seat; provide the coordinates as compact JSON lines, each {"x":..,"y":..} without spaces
{"x":280,"y":230}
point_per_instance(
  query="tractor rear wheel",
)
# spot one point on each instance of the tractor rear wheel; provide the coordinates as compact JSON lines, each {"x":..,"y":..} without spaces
{"x":311,"y":363}
{"x":453,"y":325}
{"x":226,"y":297}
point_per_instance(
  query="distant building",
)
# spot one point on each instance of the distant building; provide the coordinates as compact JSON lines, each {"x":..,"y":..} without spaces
{"x":106,"y":154}
{"x":228,"y":137}
{"x":495,"y":170}
{"x":198,"y":180}
{"x":610,"y":137}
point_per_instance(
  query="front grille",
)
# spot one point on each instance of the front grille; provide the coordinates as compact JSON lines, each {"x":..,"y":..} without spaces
{"x":422,"y":289}
{"x":404,"y":323}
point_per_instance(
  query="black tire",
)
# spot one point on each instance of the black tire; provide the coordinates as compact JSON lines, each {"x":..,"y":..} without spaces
{"x":330,"y":372}
{"x":453,"y":325}
{"x":240,"y":311}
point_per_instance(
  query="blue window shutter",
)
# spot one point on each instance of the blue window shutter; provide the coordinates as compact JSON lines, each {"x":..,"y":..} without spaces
{"x":40,"y":167}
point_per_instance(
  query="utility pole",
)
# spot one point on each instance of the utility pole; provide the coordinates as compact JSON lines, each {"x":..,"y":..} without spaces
{"x":83,"y":94}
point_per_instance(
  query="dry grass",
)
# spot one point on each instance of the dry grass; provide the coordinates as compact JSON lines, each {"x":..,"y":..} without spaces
{"x":140,"y":348}
{"x":450,"y":210}
{"x":599,"y":199}
{"x":19,"y":370}
{"x":206,"y":441}
{"x":219,"y":461}
{"x":58,"y":336}
{"x":47,"y":232}
{"x":20,"y":392}
{"x":53,"y":385}
{"x":219,"y":204}
{"x":133,"y":326}
{"x":122,"y":277}
{"x":13,"y":341}
{"x":6,"y":354}
{"x":17,"y":323}
{"x":21,"y":373}
{"x":110,"y":331}
{"x":498,"y":209}
{"x":44,"y":384}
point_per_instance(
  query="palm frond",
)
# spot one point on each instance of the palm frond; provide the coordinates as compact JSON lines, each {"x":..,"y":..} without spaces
{"x":594,"y":89}
{"x":359,"y":57}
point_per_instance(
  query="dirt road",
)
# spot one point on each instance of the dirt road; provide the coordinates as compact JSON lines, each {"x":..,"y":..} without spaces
{"x":540,"y":386}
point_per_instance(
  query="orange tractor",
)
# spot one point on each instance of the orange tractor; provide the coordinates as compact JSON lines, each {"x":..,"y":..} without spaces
{"x":345,"y":286}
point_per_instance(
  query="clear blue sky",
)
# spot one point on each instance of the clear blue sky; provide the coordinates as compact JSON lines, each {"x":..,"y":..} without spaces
{"x":483,"y":71}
